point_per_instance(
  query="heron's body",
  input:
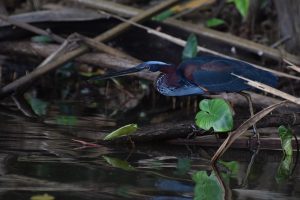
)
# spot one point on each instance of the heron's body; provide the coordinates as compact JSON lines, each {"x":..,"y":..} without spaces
{"x":201,"y":75}
{"x":210,"y":74}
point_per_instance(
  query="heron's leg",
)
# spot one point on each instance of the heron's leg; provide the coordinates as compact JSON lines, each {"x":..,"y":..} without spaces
{"x":248,"y":97}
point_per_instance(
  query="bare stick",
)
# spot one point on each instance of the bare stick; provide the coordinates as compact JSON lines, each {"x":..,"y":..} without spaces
{"x":226,"y":38}
{"x":6,"y":90}
{"x":182,"y":43}
{"x":292,"y":66}
{"x":270,"y":89}
{"x":33,"y":29}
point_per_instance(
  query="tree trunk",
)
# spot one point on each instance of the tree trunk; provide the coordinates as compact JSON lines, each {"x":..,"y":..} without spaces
{"x":289,"y":24}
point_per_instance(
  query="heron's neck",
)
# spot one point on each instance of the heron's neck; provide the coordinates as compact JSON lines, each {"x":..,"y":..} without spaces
{"x":168,"y":70}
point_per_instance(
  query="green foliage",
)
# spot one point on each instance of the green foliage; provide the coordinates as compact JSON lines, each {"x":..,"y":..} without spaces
{"x":232,"y":166}
{"x":213,"y":22}
{"x":284,"y":169}
{"x":41,"y":39}
{"x":66,"y":120}
{"x":190,"y":49}
{"x":207,"y":187}
{"x":216,"y":114}
{"x":164,"y":15}
{"x":123,"y":131}
{"x":42,"y":197}
{"x":38,"y":106}
{"x":242,"y":6}
{"x":118,"y":163}
{"x":286,"y":137}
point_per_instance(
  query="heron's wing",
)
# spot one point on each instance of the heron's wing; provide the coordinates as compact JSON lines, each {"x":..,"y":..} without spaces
{"x":216,"y":74}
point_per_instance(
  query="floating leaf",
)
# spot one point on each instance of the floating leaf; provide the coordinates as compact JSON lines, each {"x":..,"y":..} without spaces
{"x":42,"y":197}
{"x":216,"y":114}
{"x":38,"y":106}
{"x":124,"y":130}
{"x":190,"y":49}
{"x":207,"y":187}
{"x":213,"y":22}
{"x":115,"y":162}
{"x":41,"y":39}
{"x":286,"y":137}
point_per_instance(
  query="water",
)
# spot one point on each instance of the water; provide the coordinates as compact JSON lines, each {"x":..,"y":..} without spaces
{"x":41,"y":158}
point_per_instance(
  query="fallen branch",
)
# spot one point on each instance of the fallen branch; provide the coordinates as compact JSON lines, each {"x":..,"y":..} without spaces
{"x":97,"y":59}
{"x":11,"y":87}
{"x":229,"y":39}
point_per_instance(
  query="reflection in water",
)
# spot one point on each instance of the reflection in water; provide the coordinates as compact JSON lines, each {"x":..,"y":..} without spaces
{"x":38,"y":158}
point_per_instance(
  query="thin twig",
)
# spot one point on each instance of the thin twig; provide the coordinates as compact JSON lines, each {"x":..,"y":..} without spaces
{"x":182,"y":43}
{"x":292,"y":66}
{"x":270,"y":89}
{"x":33,"y":29}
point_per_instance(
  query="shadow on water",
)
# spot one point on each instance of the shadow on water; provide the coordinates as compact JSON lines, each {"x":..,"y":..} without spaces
{"x":38,"y":158}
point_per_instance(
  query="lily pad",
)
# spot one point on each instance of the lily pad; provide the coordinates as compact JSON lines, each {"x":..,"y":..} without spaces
{"x":123,"y":131}
{"x":216,"y":114}
{"x":207,"y":187}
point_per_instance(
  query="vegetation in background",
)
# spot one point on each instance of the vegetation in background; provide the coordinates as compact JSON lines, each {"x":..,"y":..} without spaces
{"x":285,"y":168}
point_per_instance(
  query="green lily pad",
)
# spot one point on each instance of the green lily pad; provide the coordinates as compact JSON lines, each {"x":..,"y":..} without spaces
{"x":190,"y":49}
{"x":216,"y":114}
{"x":123,"y":131}
{"x":207,"y":187}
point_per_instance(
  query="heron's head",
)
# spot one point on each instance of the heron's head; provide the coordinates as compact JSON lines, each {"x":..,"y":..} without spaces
{"x":152,"y":66}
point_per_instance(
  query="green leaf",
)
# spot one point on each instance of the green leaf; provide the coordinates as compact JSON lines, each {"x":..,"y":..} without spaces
{"x":38,"y":106}
{"x":164,"y":15}
{"x":125,"y":130}
{"x":242,"y":6}
{"x":213,"y":22}
{"x":115,"y":162}
{"x":216,"y":114}
{"x":207,"y":187}
{"x":190,"y":49}
{"x":42,"y":197}
{"x":286,"y":137}
{"x":233,"y":166}
{"x":284,"y":169}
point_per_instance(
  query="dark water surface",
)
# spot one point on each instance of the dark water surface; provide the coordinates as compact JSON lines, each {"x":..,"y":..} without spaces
{"x":38,"y":158}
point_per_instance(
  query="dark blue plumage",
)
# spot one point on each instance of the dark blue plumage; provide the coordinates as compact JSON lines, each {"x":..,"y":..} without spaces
{"x":201,"y":75}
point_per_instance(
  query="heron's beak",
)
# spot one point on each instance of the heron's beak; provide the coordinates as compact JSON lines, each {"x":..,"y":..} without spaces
{"x":116,"y":74}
